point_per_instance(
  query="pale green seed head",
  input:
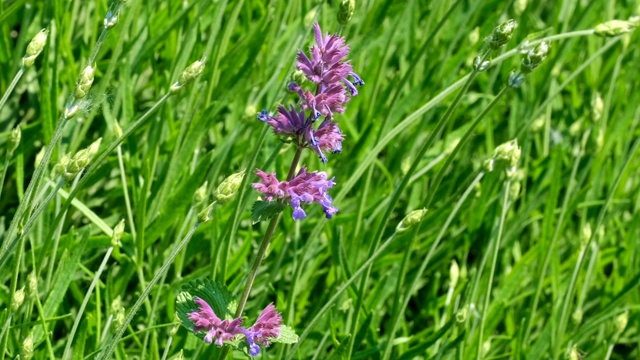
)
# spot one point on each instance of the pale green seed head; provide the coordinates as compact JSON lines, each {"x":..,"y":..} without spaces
{"x":204,"y":215}
{"x":614,"y":28}
{"x":32,"y":284}
{"x":192,"y":72}
{"x":502,"y":34}
{"x":84,"y":82}
{"x":509,"y":152}
{"x":412,"y":219}
{"x":26,"y":351}
{"x":228,"y":188}
{"x":454,"y":273}
{"x":597,"y":106}
{"x":201,"y":193}
{"x":14,"y":140}
{"x":535,"y":57}
{"x":118,"y":230}
{"x":621,"y":322}
{"x":71,"y":110}
{"x":18,"y":299}
{"x":35,"y":48}
{"x":117,"y":129}
{"x":118,"y":312}
{"x":345,"y":11}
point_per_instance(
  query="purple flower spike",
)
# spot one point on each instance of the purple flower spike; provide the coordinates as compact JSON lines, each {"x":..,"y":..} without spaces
{"x":329,"y":138}
{"x":266,"y":327}
{"x":205,"y":319}
{"x":303,"y":188}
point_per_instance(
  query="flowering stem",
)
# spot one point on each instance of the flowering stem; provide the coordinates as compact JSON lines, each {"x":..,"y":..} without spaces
{"x":111,"y":345}
{"x":494,"y":261}
{"x":13,"y":84}
{"x":265,"y":243}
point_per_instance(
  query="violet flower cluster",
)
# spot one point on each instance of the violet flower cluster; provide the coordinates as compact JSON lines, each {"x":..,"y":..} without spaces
{"x":267,"y":326}
{"x":335,"y":84}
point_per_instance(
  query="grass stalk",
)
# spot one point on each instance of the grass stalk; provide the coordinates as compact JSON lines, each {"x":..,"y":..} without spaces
{"x":12,"y":85}
{"x":494,"y":262}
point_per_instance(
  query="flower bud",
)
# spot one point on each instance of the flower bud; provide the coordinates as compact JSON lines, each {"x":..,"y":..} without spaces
{"x":502,"y":34}
{"x":621,"y":322}
{"x":203,"y":216}
{"x":412,"y":219}
{"x":519,"y":7}
{"x":535,"y":57}
{"x":26,"y":351}
{"x":574,"y":355}
{"x":35,"y":48}
{"x":84,"y":82}
{"x":117,"y":130}
{"x":454,"y":273}
{"x":18,"y":299}
{"x":32,"y":284}
{"x":577,"y":316}
{"x":111,"y":19}
{"x":480,"y":65}
{"x":14,"y":140}
{"x":614,"y":28}
{"x":228,"y":188}
{"x":345,"y":11}
{"x":474,"y":35}
{"x":515,"y":80}
{"x":71,"y":166}
{"x":508,"y":152}
{"x":597,"y":106}
{"x":514,"y":190}
{"x":201,"y":193}
{"x":188,"y":75}
{"x":118,"y":230}
{"x":461,"y":315}
{"x":70,"y":111}
{"x":118,"y":312}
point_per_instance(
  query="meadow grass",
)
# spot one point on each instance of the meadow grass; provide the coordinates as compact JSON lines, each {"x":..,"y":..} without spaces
{"x":532,"y":262}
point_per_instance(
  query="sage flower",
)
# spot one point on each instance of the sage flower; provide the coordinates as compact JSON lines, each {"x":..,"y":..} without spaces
{"x":303,"y":188}
{"x":205,"y":319}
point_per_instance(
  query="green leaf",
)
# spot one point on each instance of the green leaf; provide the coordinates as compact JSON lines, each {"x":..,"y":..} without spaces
{"x":287,"y":336}
{"x":214,"y":293}
{"x":265,"y":210}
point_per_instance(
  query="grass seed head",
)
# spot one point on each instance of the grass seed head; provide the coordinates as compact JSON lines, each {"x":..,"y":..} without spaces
{"x":35,"y":48}
{"x":345,"y":11}
{"x":535,"y":57}
{"x":228,"y":188}
{"x":26,"y":352}
{"x":412,"y":219}
{"x":14,"y":140}
{"x":118,"y":230}
{"x":84,"y":82}
{"x":32,"y":284}
{"x":188,"y":75}
{"x":502,"y":34}
{"x":18,"y":299}
{"x":615,"y":27}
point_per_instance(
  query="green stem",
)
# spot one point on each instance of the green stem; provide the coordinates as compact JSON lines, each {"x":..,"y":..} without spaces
{"x":494,"y":262}
{"x":87,"y":296}
{"x":13,"y":84}
{"x":111,"y":346}
{"x":127,"y":201}
{"x":7,"y":158}
{"x":9,"y":241}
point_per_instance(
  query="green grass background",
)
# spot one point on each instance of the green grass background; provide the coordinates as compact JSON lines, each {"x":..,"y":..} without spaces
{"x":575,"y":174}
